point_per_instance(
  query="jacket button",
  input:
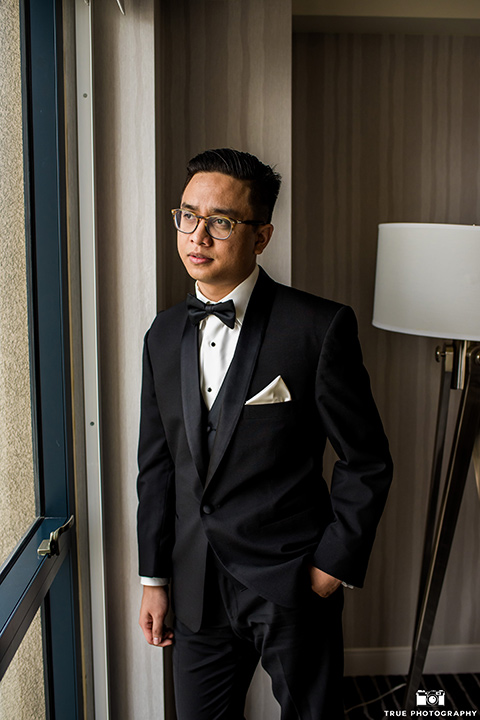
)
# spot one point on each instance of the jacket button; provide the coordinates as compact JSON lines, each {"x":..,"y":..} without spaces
{"x":207,"y":509}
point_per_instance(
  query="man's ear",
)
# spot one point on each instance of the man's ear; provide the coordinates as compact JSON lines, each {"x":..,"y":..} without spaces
{"x":264,"y":233}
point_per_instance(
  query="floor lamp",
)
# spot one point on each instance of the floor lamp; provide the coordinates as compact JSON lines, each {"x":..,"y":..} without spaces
{"x":428,"y":283}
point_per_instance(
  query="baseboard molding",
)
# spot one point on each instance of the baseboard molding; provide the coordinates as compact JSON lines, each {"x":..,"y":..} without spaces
{"x":396,"y":660}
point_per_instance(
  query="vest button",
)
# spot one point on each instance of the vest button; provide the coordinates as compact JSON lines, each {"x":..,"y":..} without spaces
{"x":207,"y":509}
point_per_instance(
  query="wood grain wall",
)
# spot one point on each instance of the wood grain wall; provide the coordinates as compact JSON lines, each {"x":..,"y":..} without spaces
{"x":386,"y":129}
{"x":223,"y":80}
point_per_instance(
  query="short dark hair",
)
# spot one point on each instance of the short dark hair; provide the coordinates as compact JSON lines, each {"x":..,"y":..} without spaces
{"x":263,"y":180}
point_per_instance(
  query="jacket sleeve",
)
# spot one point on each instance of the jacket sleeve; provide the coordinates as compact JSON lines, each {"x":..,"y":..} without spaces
{"x":363,"y":472}
{"x":155,"y":483}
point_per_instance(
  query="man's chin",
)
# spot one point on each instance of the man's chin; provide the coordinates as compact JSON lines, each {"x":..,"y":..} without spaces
{"x":199,"y":276}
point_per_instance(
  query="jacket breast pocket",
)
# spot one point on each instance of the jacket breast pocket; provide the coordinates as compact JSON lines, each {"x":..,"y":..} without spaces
{"x":271,"y":411}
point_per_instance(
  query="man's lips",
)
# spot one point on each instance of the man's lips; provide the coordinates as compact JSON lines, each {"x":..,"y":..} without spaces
{"x":199,"y":259}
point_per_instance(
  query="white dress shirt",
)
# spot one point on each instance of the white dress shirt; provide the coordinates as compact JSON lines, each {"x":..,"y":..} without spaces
{"x":217,"y":342}
{"x":216,"y":345}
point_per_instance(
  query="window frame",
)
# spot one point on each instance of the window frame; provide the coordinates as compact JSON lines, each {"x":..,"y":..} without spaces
{"x":29,"y":582}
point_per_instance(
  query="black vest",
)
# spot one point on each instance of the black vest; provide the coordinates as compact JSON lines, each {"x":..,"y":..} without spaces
{"x":211,"y":419}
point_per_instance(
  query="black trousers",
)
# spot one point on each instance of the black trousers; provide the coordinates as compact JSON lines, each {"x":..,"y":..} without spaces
{"x":301,"y":649}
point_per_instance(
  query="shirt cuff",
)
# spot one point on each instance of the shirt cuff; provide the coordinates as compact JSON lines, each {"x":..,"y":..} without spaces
{"x":154,"y":582}
{"x":346,"y":585}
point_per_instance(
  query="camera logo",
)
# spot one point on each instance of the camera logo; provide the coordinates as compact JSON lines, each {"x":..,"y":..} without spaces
{"x":430,"y":698}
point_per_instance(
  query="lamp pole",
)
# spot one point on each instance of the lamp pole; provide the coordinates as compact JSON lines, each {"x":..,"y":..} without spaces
{"x":436,"y":553}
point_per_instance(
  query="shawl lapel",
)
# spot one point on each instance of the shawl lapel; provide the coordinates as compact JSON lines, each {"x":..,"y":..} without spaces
{"x":191,"y":395}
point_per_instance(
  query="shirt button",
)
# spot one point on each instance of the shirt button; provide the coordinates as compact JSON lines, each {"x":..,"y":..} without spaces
{"x":212,"y":344}
{"x":209,"y":389}
{"x":207,"y":509}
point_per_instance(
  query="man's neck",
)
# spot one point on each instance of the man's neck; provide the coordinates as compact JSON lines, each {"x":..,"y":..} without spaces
{"x":215,"y":293}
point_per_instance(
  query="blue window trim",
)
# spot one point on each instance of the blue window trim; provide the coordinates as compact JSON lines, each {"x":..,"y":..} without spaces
{"x":25,"y":581}
{"x":29,"y":583}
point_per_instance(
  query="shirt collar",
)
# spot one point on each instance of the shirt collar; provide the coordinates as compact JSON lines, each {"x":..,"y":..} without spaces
{"x":240,"y":295}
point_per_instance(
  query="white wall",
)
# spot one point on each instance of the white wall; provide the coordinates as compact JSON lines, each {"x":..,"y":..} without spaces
{"x":126,"y":239}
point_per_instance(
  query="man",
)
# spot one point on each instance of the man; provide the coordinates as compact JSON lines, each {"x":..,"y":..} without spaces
{"x":242,"y":386}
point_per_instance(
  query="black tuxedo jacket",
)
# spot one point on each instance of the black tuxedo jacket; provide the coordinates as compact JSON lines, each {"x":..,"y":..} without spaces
{"x":260,"y":500}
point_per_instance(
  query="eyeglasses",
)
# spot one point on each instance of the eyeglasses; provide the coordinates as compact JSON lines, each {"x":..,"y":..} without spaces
{"x":218,"y":227}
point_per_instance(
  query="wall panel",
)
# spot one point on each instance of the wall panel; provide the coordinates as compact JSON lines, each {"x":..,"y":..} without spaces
{"x":223,"y":80}
{"x":124,"y":75}
{"x":386,"y":129}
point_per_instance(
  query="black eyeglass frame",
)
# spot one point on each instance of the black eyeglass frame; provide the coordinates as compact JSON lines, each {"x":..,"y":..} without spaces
{"x":209,"y":217}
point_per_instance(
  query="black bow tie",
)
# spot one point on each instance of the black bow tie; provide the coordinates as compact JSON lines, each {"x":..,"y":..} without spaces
{"x":198,"y":311}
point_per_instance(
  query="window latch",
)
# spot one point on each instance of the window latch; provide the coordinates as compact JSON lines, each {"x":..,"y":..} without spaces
{"x":50,"y":547}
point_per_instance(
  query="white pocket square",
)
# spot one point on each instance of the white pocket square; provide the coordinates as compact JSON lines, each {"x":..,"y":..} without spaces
{"x":275,"y":392}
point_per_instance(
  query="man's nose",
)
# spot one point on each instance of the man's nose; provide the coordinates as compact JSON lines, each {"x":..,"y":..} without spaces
{"x":200,"y":235}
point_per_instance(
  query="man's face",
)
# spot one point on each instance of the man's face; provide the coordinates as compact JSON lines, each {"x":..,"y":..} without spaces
{"x":220,"y":265}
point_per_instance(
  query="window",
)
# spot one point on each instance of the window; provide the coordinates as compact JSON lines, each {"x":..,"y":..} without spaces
{"x":38,"y":594}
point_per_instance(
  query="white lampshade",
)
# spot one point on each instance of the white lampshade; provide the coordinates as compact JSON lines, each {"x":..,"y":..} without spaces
{"x":428,"y":280}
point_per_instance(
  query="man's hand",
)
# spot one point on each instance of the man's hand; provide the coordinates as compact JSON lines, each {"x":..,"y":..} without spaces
{"x":152,"y":615}
{"x":322,"y":583}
